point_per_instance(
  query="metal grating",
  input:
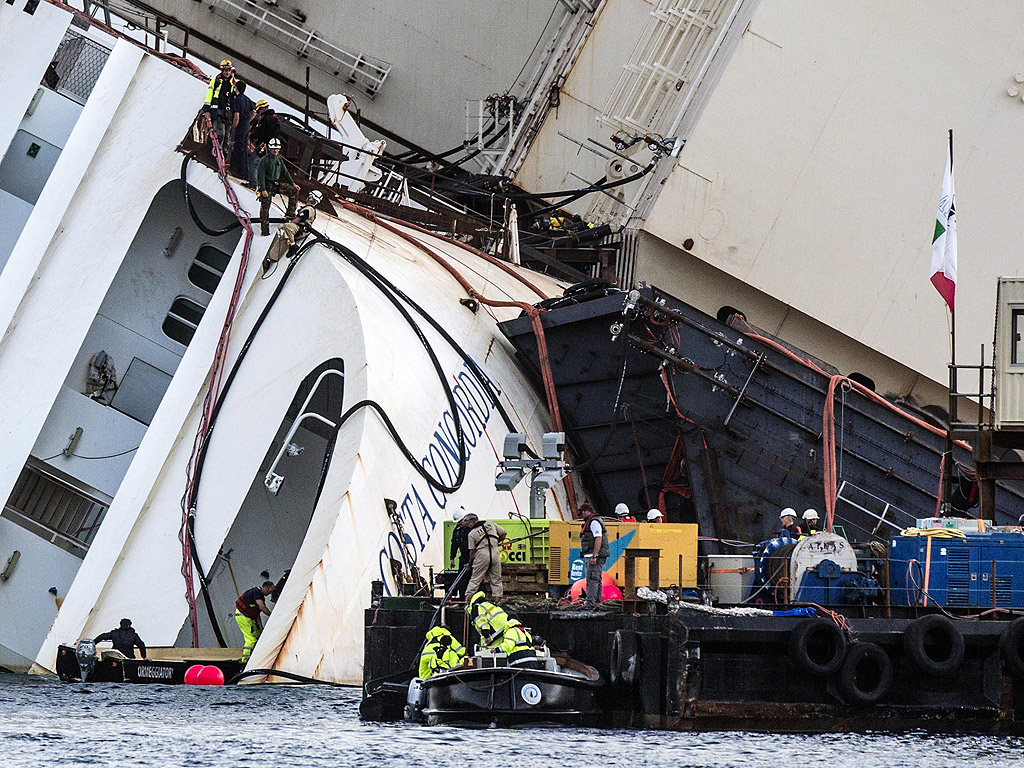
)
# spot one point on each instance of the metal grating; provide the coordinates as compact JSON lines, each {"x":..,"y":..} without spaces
{"x":958,"y":576}
{"x":362,"y":71}
{"x":664,"y":65}
{"x":76,"y":66}
{"x":55,"y":510}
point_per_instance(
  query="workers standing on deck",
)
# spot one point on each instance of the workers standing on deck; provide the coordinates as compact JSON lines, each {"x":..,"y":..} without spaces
{"x":272,"y":177}
{"x":125,"y":639}
{"x":257,"y":144}
{"x":485,"y":537}
{"x":265,"y":126}
{"x":441,"y":652}
{"x":248,"y":607}
{"x":789,"y":526}
{"x":655,"y":516}
{"x":810,"y":518}
{"x":594,"y":549}
{"x":623,"y":514}
{"x":218,"y":101}
{"x":460,"y":546}
{"x":241,"y":115}
{"x":293,"y":231}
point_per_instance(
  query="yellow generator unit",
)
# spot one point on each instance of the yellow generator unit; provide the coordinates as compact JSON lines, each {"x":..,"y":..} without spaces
{"x":667,"y":550}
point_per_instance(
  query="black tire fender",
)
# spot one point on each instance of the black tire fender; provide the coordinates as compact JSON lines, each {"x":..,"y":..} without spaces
{"x":866,"y":675}
{"x":935,"y":645}
{"x":817,"y":646}
{"x":622,"y":667}
{"x":1011,"y":647}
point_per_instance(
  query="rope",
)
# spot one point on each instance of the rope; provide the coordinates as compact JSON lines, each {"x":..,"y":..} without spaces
{"x":185,"y":532}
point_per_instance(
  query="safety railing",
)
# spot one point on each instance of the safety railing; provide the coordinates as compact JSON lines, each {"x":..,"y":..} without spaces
{"x":981,"y":402}
{"x":362,"y":71}
{"x":679,"y":38}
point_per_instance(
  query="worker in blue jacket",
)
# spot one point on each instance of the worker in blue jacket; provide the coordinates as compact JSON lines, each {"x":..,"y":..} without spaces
{"x":125,"y":639}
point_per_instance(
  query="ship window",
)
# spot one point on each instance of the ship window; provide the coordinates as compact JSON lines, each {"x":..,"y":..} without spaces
{"x":183,"y":319}
{"x":208,"y":268}
{"x":1017,"y":326}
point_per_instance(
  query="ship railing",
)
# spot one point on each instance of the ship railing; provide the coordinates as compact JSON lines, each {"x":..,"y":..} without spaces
{"x":883,"y":512}
{"x":365,"y":72}
{"x":980,"y":402}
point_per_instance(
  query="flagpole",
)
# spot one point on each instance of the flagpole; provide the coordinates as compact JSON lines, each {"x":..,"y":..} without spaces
{"x":947,"y":477}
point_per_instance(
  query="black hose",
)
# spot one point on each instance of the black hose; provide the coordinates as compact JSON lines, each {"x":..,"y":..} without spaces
{"x":470,"y":362}
{"x":195,"y":214}
{"x":191,"y":208}
{"x":278,"y":673}
{"x":386,"y":288}
{"x":203,"y":584}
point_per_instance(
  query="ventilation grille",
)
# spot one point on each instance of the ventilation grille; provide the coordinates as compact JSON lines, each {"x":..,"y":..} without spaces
{"x":958,"y":577}
{"x":556,"y":566}
{"x":1004,"y":590}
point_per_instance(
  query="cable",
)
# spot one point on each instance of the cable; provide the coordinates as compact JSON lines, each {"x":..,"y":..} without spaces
{"x":91,"y":458}
{"x":535,"y":46}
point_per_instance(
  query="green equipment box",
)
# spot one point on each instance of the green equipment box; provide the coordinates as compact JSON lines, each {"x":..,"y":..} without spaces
{"x":532,"y":550}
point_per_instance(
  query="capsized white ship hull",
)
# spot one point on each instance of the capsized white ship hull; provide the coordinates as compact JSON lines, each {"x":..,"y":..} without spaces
{"x":327,"y":311}
{"x":100,"y":244}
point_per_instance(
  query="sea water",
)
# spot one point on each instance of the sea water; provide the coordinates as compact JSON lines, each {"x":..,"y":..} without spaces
{"x":47,"y":723}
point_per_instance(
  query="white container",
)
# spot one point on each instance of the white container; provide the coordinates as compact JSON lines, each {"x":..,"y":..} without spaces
{"x":729,"y":577}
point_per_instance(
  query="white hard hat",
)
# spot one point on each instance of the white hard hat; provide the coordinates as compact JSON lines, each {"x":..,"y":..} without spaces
{"x":458,"y":514}
{"x":274,"y":144}
{"x":315,"y":197}
{"x":621,"y":510}
{"x":810,"y":514}
{"x":787,"y":512}
{"x":654,"y":514}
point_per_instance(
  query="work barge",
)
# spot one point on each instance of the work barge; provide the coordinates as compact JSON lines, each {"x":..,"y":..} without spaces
{"x":905,"y":612}
{"x":690,"y":670}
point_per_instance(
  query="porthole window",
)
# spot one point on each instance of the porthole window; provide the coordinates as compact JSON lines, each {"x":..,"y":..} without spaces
{"x":208,"y":268}
{"x":183,"y":319}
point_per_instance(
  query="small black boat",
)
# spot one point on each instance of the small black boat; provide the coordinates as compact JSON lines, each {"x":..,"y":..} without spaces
{"x":165,"y":665}
{"x":556,"y":691}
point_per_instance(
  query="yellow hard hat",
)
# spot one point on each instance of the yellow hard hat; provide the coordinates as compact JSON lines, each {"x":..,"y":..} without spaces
{"x":226,"y":64}
{"x":262,"y":104}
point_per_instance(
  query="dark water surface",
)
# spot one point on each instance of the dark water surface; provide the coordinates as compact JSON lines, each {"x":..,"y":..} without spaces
{"x":47,"y":723}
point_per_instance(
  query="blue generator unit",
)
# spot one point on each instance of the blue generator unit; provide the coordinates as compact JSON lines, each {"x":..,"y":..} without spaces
{"x":980,"y":570}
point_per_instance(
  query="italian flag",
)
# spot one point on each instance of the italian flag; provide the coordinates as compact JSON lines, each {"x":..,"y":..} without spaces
{"x":944,"y":242}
